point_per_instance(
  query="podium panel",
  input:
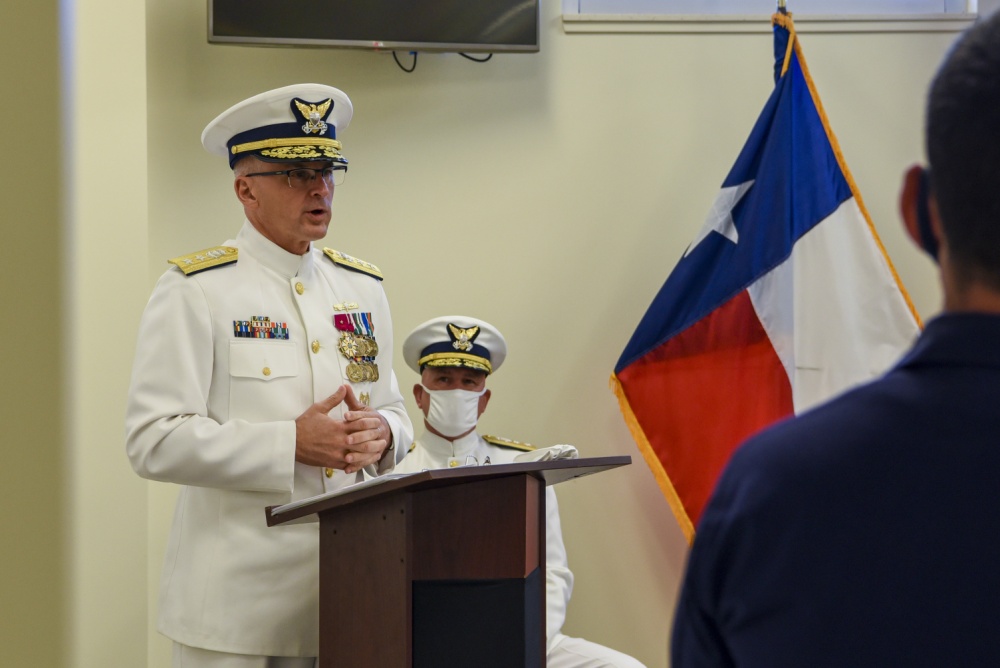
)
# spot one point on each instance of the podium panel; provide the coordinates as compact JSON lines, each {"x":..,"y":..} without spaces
{"x":363,"y":568}
{"x":479,"y":623}
{"x":483,"y":529}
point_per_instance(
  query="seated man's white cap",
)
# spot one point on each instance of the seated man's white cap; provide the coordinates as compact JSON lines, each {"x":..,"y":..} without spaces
{"x":296,"y":123}
{"x":455,"y":341}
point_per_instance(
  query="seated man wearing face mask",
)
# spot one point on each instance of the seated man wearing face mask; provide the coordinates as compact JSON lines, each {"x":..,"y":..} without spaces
{"x":454,"y":355}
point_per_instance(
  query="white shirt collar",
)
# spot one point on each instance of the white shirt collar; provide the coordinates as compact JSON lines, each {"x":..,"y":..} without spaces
{"x":442,"y":447}
{"x":272,"y":255}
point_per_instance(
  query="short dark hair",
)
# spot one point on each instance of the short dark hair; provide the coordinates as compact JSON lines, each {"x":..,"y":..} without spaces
{"x":963,"y":146}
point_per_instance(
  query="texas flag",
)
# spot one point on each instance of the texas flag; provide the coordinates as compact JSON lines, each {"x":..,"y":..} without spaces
{"x":784,"y":298}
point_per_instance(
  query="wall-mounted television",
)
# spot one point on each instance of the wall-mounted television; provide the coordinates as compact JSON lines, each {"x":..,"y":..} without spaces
{"x":473,"y":26}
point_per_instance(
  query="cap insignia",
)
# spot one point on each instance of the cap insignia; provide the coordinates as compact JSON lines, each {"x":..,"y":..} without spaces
{"x":461,"y":339}
{"x":314,"y":115}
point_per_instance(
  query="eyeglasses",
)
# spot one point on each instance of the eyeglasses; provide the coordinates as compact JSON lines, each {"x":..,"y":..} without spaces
{"x":304,"y":177}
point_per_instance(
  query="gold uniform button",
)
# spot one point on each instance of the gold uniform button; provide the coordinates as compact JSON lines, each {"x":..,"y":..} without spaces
{"x":266,"y":371}
{"x":299,"y":288}
{"x":328,"y":473}
{"x":453,"y":463}
{"x":315,"y":346}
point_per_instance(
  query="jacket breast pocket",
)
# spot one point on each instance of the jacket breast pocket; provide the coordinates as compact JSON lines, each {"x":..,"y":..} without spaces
{"x":262,"y":375}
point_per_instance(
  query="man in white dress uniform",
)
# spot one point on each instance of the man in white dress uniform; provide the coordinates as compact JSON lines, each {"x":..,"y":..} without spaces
{"x":454,"y":355}
{"x":262,"y":375}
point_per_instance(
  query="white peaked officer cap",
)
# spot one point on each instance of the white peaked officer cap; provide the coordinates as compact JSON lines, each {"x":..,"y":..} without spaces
{"x":455,"y":341}
{"x":296,"y":123}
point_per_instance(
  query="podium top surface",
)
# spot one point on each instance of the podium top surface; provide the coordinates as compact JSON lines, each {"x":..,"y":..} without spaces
{"x":551,"y":472}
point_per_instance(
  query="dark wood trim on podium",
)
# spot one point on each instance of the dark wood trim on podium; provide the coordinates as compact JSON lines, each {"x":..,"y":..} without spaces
{"x":438,"y":532}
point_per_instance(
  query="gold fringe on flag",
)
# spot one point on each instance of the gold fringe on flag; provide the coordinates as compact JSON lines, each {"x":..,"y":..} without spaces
{"x":654,"y":463}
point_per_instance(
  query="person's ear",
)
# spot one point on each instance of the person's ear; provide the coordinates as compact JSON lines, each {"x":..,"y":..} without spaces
{"x":483,"y":400}
{"x":915,"y":208}
{"x":244,"y":191}
{"x":421,"y":398}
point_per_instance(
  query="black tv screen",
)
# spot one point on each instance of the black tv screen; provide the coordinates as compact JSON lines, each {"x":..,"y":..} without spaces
{"x":411,"y":25}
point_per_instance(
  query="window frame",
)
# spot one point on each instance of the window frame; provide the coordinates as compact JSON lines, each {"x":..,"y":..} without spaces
{"x":960,"y":14}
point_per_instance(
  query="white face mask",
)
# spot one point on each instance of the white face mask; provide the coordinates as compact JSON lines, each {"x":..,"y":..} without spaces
{"x":453,"y":412}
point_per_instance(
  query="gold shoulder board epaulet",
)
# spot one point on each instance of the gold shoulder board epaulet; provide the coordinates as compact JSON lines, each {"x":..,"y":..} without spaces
{"x":205,"y":259}
{"x":353,"y":263}
{"x":507,"y":443}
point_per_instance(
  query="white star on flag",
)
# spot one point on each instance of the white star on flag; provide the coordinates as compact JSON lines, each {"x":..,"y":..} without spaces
{"x":720,"y":218}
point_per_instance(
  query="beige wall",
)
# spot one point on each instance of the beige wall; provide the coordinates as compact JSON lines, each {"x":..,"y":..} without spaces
{"x":106,"y":235}
{"x":548,"y":193}
{"x":73,"y":124}
{"x":34,"y":529}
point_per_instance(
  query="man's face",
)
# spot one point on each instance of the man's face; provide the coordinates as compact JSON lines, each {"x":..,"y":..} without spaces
{"x":450,"y":378}
{"x":291,"y":217}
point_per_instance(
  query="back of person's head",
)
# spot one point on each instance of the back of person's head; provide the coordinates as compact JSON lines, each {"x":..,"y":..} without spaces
{"x":963,"y":146}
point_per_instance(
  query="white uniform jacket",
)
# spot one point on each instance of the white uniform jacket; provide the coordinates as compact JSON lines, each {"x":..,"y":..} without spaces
{"x":214,"y":411}
{"x":434,"y":452}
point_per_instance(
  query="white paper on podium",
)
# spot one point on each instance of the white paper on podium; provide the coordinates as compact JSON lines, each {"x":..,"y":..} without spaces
{"x":371,"y":482}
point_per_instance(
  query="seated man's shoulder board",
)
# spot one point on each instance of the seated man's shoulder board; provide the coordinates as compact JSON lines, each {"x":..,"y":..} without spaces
{"x":354,"y":264}
{"x":508,"y":443}
{"x":210,"y":258}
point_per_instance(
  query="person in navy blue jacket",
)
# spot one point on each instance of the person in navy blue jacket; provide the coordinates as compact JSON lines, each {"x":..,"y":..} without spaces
{"x":866,"y":532}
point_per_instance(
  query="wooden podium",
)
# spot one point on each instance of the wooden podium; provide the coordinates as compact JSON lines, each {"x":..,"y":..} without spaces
{"x":444,"y":567}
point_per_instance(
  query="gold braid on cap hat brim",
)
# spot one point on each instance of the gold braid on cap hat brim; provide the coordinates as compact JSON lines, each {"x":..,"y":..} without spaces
{"x":456,"y":359}
{"x":323,"y":142}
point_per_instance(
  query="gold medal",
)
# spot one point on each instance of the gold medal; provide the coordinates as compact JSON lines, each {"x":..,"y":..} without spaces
{"x":362,"y":345}
{"x":356,"y":372}
{"x":357,"y":344}
{"x":367,"y":347}
{"x":348,"y":346}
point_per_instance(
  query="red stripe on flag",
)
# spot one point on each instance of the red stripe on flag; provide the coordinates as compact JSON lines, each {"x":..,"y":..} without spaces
{"x":701,"y":393}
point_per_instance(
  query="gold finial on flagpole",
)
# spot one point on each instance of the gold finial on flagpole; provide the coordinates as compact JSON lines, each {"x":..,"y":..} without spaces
{"x":781,"y":4}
